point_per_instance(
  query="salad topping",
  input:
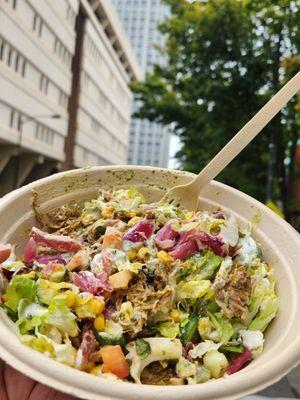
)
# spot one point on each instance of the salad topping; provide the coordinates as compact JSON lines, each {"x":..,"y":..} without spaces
{"x":146,"y":293}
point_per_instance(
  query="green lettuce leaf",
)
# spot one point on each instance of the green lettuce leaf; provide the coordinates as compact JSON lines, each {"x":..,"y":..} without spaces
{"x":169,"y":329}
{"x":46,"y":290}
{"x":267,"y":312}
{"x":223,"y":327}
{"x":64,"y":353}
{"x":192,"y":289}
{"x":30,"y":315}
{"x":264,"y":289}
{"x":209,"y":263}
{"x":84,"y":305}
{"x":61,"y":317}
{"x":20,"y":288}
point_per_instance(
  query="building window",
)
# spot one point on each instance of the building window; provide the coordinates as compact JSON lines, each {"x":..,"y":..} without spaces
{"x":44,"y":82}
{"x":15,"y":119}
{"x":17,"y":62}
{"x":9,"y":57}
{"x":2,"y":46}
{"x":24,"y":68}
{"x":34,"y":22}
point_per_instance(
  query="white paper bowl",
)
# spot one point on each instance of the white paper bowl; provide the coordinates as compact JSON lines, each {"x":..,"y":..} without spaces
{"x":281,"y":248}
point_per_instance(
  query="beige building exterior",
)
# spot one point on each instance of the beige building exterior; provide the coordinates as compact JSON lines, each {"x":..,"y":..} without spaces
{"x":64,"y":100}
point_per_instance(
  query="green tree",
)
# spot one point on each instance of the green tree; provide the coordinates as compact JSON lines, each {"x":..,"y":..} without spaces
{"x":224,"y":62}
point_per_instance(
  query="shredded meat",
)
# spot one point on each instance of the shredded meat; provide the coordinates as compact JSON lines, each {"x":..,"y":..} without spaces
{"x":66,"y":221}
{"x":145,"y":298}
{"x":234,"y":296}
{"x":155,"y":374}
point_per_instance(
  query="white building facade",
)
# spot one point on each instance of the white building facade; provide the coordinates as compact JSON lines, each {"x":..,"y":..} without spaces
{"x":38,"y":65}
{"x":149,"y":142}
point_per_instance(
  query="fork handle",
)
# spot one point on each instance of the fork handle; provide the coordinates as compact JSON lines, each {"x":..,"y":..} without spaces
{"x":247,"y":133}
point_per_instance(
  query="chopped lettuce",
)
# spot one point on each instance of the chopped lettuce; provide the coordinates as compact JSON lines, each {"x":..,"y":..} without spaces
{"x":267,"y":312}
{"x":203,"y":266}
{"x":84,"y":305}
{"x":19,"y":288}
{"x":61,"y":317}
{"x":263,"y":289}
{"x":169,"y":329}
{"x":203,"y":347}
{"x":222,"y":326}
{"x":91,"y":212}
{"x":30,"y":315}
{"x":46,"y":290}
{"x":112,"y":334}
{"x":209,"y":264}
{"x":64,"y":353}
{"x":192,"y":289}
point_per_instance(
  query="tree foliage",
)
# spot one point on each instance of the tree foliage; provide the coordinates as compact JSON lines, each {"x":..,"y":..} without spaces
{"x":225,"y":60}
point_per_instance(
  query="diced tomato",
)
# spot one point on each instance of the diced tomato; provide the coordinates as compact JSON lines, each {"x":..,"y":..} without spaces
{"x":5,"y":251}
{"x":114,"y":361}
{"x":112,"y":238}
{"x":55,"y":242}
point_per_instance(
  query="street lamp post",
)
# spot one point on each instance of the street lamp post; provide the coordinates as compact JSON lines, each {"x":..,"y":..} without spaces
{"x":20,"y":139}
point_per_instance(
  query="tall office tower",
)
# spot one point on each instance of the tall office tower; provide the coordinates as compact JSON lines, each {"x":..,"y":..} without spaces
{"x":64,"y":98}
{"x":149,"y":142}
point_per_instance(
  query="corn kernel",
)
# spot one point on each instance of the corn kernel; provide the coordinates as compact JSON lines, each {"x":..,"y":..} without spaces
{"x":99,"y":323}
{"x":97,"y":306}
{"x":190,"y":215}
{"x":133,"y":221}
{"x":175,"y":315}
{"x":70,"y":299}
{"x":132,"y":255}
{"x":132,"y":213}
{"x":30,"y":275}
{"x":143,"y":252}
{"x":107,"y":212}
{"x":90,"y":366}
{"x":96,"y":370}
{"x":164,"y":257}
{"x":4,"y":298}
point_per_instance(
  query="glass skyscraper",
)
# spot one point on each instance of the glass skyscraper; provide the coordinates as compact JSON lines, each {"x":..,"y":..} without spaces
{"x":149,"y":142}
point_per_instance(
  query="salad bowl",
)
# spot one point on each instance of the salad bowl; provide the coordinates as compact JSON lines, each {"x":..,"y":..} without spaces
{"x":281,"y":249}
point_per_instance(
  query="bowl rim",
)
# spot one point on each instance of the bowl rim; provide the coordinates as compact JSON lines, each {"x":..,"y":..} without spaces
{"x":62,"y":378}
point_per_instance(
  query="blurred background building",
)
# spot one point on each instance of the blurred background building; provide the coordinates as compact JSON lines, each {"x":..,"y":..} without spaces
{"x":64,"y":70}
{"x":149,"y":142}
